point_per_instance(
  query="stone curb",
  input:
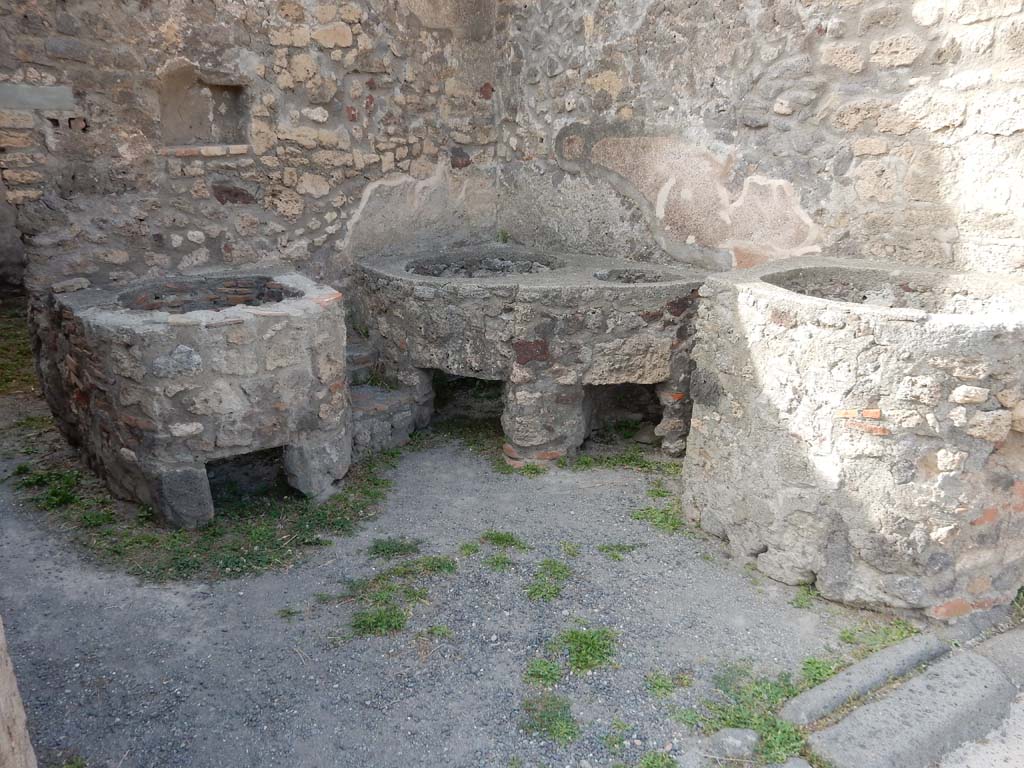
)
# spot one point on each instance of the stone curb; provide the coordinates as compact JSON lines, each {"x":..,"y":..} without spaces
{"x":959,"y":699}
{"x":1006,"y":651}
{"x":862,"y":678}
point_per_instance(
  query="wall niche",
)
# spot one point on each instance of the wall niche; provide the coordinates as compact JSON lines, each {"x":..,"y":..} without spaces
{"x":199,"y":108}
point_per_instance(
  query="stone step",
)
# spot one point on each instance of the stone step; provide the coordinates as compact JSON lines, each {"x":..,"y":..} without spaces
{"x":360,"y":359}
{"x":863,"y":678}
{"x":381,"y":418}
{"x":959,"y":699}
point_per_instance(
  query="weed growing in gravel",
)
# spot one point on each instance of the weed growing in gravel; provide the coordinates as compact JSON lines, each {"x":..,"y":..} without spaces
{"x":658,"y":490}
{"x":550,"y":715}
{"x":668,"y":519}
{"x":752,"y":702}
{"x":548,"y":580}
{"x":383,"y":620}
{"x":630,"y":458}
{"x":533,"y":470}
{"x":659,"y":685}
{"x":57,"y":488}
{"x":392,"y":547}
{"x":504,"y":540}
{"x":657,"y":760}
{"x":500,"y":562}
{"x":17,"y":372}
{"x":440,"y":632}
{"x":289,"y":613}
{"x":617,"y":551}
{"x":615,"y":739}
{"x":469,"y":548}
{"x":873,"y":636}
{"x":391,"y":594}
{"x":587,"y":648}
{"x":662,"y":685}
{"x":542,"y":672}
{"x":33,"y":423}
{"x":569,"y":549}
{"x":805,"y":596}
{"x":816,"y":671}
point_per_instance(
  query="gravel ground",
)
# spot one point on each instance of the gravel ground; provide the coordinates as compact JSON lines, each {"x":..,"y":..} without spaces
{"x":128,"y":674}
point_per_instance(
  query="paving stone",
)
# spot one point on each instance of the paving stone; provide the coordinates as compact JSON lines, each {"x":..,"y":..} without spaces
{"x":734,"y":743}
{"x":1006,"y":651}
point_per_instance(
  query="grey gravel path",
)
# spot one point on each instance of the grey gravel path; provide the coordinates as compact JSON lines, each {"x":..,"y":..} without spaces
{"x":196,"y":675}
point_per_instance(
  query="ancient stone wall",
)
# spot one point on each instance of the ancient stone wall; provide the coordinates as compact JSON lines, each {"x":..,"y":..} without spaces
{"x":887,"y":130}
{"x":139,"y":138}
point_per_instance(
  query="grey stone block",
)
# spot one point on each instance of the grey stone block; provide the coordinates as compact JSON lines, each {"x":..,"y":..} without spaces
{"x":314,"y":465}
{"x":183,"y":496}
{"x":959,"y":699}
{"x":1006,"y":651}
{"x":863,"y":678}
{"x":20,"y":96}
{"x":734,"y":743}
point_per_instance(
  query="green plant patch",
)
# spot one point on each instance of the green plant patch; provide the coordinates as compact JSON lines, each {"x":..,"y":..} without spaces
{"x":391,"y":594}
{"x":543,"y":672}
{"x":247,"y":535}
{"x":550,"y":715}
{"x":658,"y":490}
{"x":587,"y":648}
{"x":752,"y":702}
{"x":569,"y":549}
{"x":533,"y":470}
{"x":668,"y":519}
{"x":657,"y":760}
{"x":805,"y":597}
{"x":383,"y":620}
{"x":499,"y":561}
{"x":469,"y":548}
{"x":617,"y":552}
{"x":440,"y":632}
{"x":630,"y":458}
{"x":872,"y":636}
{"x":816,"y":671}
{"x":504,"y":540}
{"x":615,"y":739}
{"x":548,"y":580}
{"x":392,"y":547}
